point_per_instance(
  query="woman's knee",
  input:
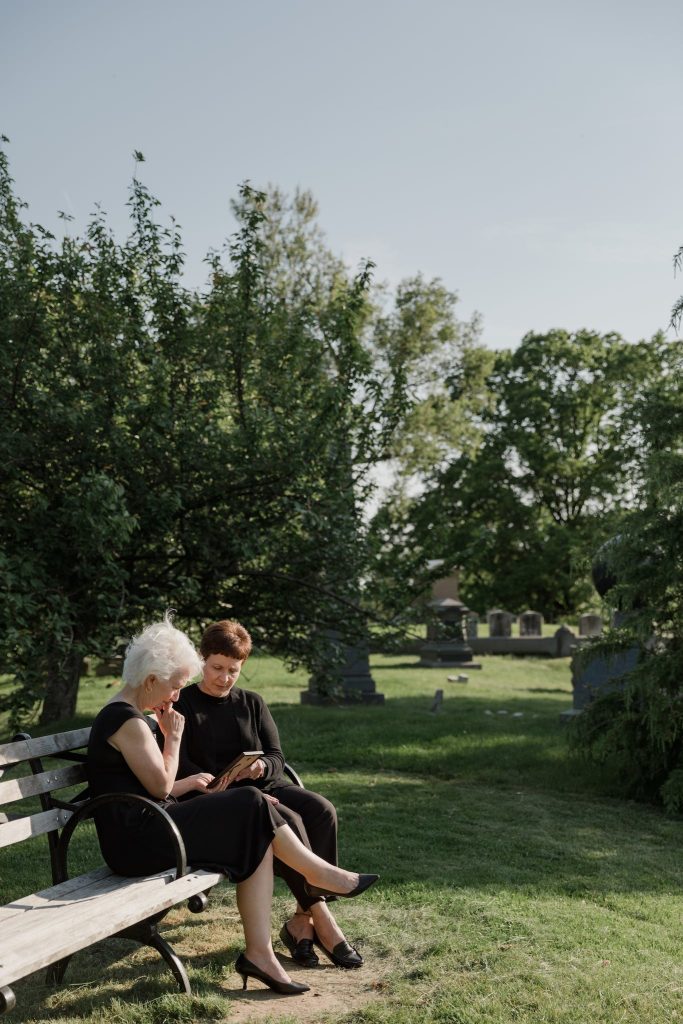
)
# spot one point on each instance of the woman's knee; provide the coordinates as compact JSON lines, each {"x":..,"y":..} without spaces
{"x":326,"y":809}
{"x":293,"y":818}
{"x":247,"y":796}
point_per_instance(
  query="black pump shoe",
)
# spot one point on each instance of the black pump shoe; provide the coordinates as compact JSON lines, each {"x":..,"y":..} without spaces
{"x":247,"y":970}
{"x":364,"y":882}
{"x":301,"y":951}
{"x":343,"y":955}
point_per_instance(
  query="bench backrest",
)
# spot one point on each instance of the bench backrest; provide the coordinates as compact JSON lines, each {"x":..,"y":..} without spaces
{"x":22,"y":759}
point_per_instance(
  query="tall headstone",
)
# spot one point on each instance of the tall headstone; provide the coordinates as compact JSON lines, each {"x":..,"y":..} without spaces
{"x":500,"y":623}
{"x":566,"y":642}
{"x":530,"y":624}
{"x":348,"y":681}
{"x":472,"y":626}
{"x":590,"y":625}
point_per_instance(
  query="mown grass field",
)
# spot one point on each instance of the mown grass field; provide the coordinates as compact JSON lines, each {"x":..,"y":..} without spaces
{"x":516,"y":885}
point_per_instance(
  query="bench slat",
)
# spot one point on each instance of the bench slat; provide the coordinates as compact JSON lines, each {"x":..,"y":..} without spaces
{"x":82,"y":891}
{"x":36,"y":919}
{"x":28,"y":944}
{"x":45,"y":782}
{"x":38,"y":899}
{"x":82,"y":888}
{"x":43,"y":746}
{"x":32,"y":825}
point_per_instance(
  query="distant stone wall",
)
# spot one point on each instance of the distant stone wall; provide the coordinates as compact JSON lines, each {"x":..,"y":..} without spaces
{"x":559,"y":645}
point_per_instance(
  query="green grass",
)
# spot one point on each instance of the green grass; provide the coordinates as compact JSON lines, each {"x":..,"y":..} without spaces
{"x":516,"y":886}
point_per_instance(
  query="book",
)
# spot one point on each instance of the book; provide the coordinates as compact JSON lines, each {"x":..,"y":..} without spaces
{"x":237,"y":765}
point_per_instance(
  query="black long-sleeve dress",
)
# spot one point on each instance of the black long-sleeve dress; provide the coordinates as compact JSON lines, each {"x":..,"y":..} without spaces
{"x":228,"y":831}
{"x":219,"y":728}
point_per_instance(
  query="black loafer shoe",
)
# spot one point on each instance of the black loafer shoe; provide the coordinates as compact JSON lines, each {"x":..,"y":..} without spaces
{"x":301,"y":952}
{"x":343,"y":955}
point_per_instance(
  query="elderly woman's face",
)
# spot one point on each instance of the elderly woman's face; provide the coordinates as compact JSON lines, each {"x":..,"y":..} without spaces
{"x":220,"y":675}
{"x":163,"y":693}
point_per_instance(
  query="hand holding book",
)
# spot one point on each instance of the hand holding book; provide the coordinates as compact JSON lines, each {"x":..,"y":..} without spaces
{"x":236,"y":766}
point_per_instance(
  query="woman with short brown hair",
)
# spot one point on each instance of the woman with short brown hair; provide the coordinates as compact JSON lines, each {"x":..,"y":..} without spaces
{"x":221,"y":720}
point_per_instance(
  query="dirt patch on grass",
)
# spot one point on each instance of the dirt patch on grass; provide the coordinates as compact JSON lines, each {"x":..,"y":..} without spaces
{"x":333,"y":991}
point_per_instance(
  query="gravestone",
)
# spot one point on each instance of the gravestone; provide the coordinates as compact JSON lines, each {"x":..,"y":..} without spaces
{"x":500,"y":623}
{"x":590,"y":625}
{"x":530,"y":624}
{"x":449,"y":648}
{"x":566,"y":642}
{"x":472,"y":626}
{"x":347,"y":682}
{"x":595,"y":673}
{"x":437,"y":702}
{"x":600,"y":674}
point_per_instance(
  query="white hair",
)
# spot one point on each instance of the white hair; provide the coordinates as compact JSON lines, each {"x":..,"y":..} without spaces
{"x":160,"y":650}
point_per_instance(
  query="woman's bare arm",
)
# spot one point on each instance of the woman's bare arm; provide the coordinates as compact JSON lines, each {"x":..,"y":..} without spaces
{"x":156,"y":771}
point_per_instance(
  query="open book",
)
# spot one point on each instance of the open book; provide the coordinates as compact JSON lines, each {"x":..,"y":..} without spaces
{"x":237,"y":765}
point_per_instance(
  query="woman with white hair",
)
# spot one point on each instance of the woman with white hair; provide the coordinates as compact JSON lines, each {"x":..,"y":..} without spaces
{"x":236,"y":831}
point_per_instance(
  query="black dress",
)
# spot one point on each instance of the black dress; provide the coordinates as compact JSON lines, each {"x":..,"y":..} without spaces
{"x":228,"y":831}
{"x":217,"y":729}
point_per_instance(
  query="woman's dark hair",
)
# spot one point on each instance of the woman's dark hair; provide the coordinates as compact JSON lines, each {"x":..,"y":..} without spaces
{"x":227,"y":638}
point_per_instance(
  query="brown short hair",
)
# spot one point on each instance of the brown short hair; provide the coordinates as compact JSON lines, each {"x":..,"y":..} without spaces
{"x":227,"y":638}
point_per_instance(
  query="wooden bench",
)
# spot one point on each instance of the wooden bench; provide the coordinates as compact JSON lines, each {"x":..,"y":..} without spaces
{"x":44,"y":929}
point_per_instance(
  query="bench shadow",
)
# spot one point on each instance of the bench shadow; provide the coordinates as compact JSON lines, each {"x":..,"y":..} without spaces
{"x":107,"y":971}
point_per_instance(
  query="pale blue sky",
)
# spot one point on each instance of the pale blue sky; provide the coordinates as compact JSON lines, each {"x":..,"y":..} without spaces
{"x":530,"y":153}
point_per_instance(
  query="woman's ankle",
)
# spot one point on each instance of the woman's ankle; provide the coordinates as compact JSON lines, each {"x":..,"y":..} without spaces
{"x":265,"y":960}
{"x":300,"y":925}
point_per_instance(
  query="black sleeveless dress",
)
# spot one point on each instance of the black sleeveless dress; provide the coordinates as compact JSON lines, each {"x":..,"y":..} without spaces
{"x":228,"y":831}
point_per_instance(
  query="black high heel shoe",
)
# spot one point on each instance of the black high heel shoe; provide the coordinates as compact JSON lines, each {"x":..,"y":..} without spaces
{"x":247,"y":970}
{"x":343,"y":955}
{"x":364,"y":882}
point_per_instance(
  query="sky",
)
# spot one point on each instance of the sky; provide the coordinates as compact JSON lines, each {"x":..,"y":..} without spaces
{"x":528,"y":154}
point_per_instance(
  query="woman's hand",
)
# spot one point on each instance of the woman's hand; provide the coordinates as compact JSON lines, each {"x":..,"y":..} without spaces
{"x":197,"y":782}
{"x":254,"y":771}
{"x":171,"y":722}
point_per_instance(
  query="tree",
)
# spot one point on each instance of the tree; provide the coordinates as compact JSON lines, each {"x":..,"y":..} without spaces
{"x":315,"y":406}
{"x":445,"y":367}
{"x":638,"y":728}
{"x":164,"y":447}
{"x":103,"y":411}
{"x":557,"y":465}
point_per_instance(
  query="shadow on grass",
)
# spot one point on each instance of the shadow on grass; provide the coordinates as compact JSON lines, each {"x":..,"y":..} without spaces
{"x":543,"y":689}
{"x":511,"y":741}
{"x":450,"y":836}
{"x":519,"y":740}
{"x":98,"y":977}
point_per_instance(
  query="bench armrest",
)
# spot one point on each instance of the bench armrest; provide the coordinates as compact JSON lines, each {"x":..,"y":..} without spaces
{"x":88,"y":809}
{"x":292,"y":775}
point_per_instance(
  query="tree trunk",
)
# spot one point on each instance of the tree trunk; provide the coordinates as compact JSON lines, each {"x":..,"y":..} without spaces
{"x":62,"y":689}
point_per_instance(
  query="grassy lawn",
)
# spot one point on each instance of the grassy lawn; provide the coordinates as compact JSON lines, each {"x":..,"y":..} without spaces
{"x":516,"y":886}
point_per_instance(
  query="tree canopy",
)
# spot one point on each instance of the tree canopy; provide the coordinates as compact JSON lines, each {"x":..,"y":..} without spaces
{"x":556,"y":463}
{"x":162,"y":446}
{"x":638,"y":728}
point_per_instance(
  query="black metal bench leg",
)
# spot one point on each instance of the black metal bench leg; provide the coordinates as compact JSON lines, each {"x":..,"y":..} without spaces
{"x":55,"y":972}
{"x":7,"y":999}
{"x":146,"y":933}
{"x":172,"y":959}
